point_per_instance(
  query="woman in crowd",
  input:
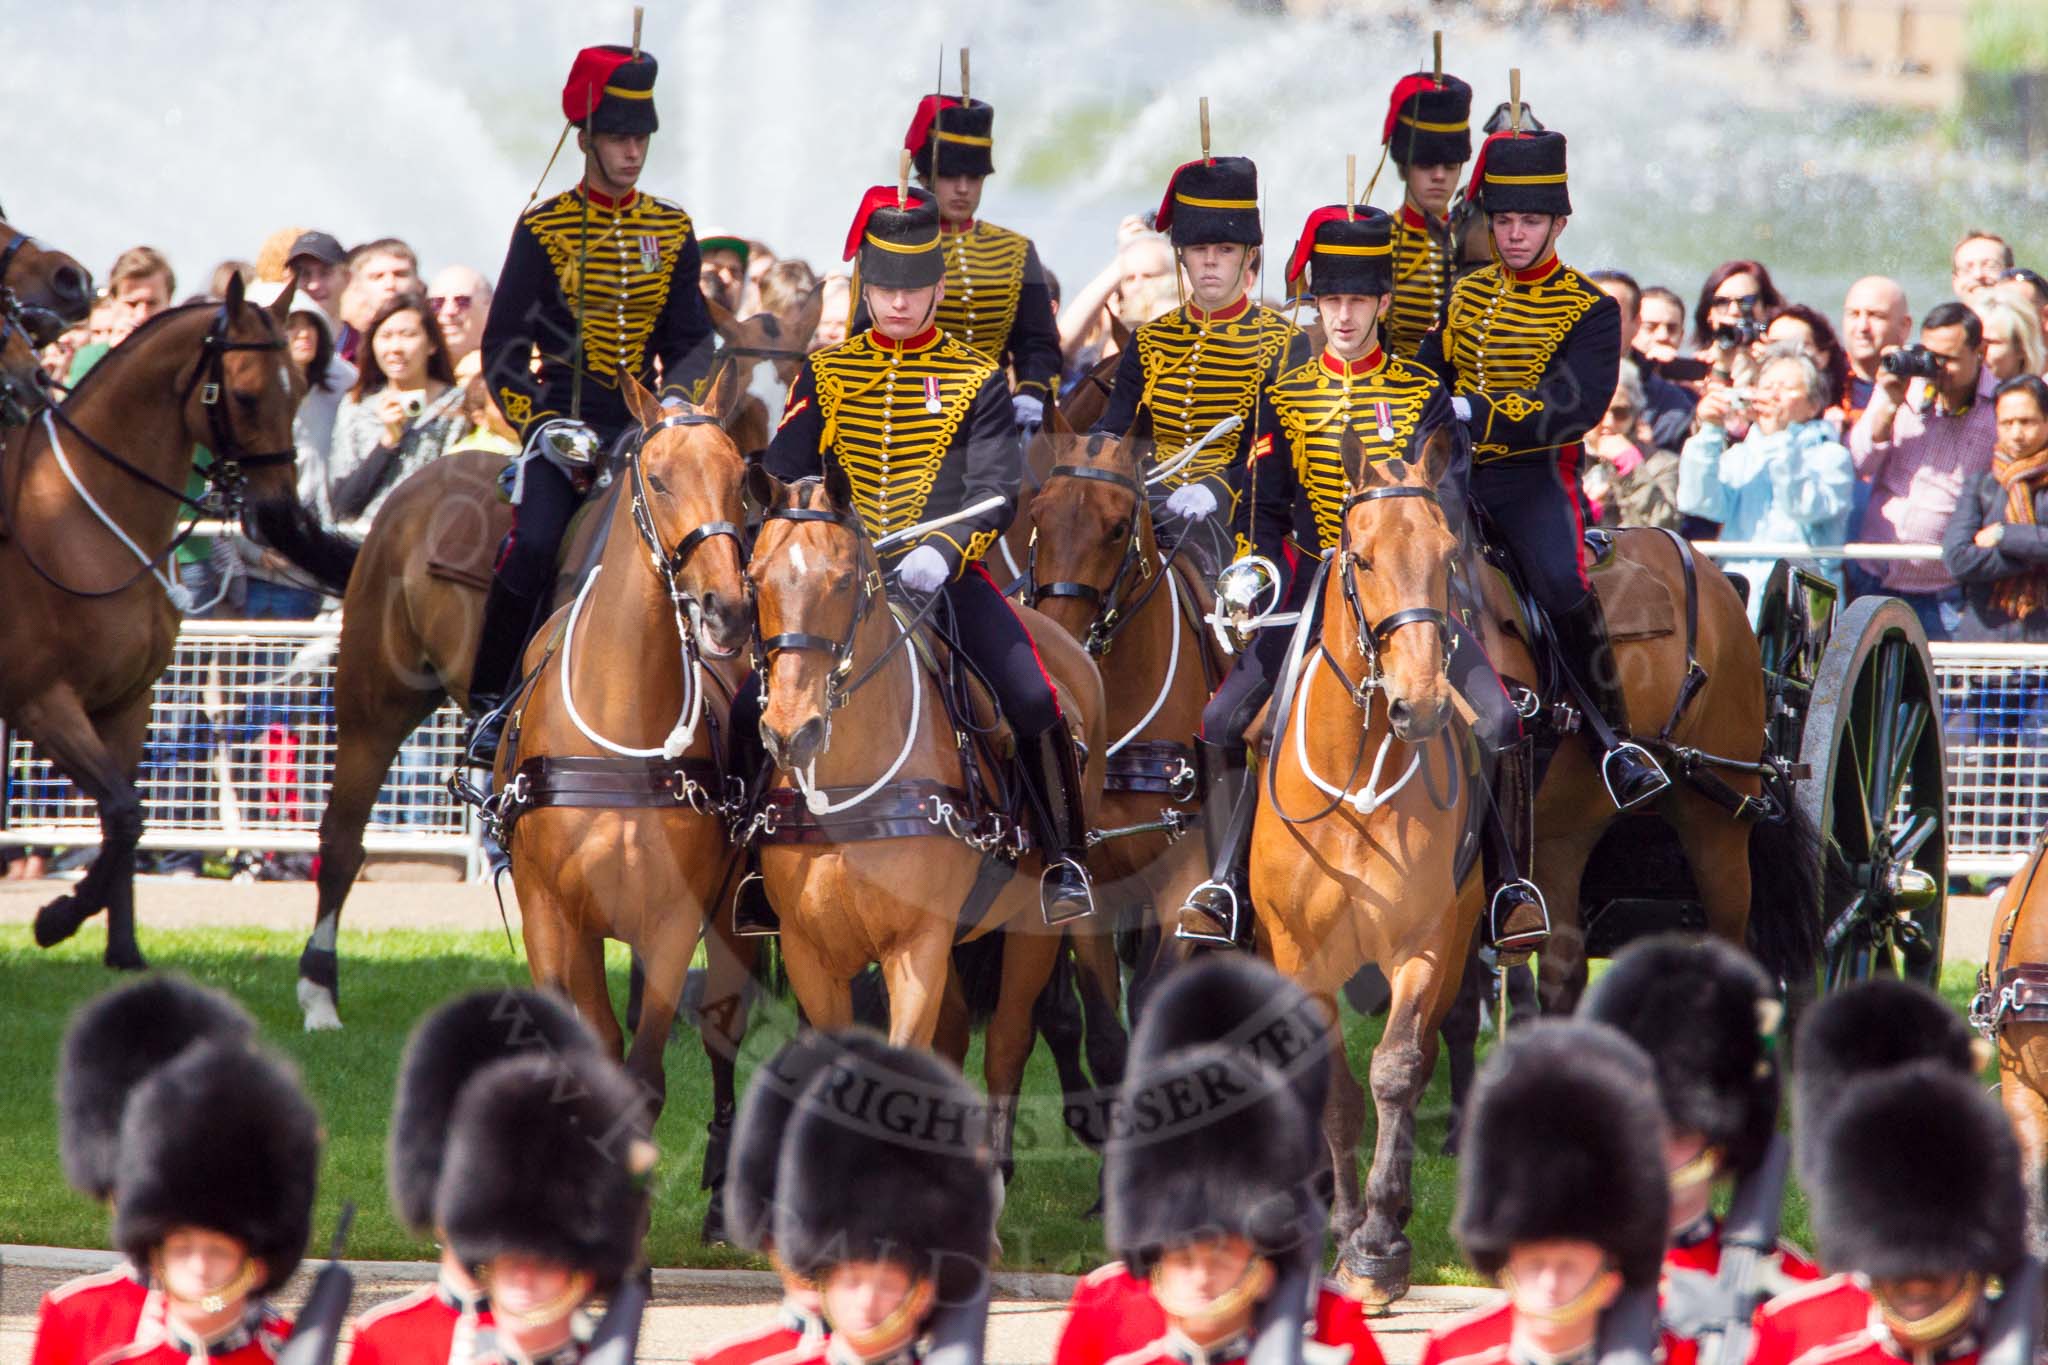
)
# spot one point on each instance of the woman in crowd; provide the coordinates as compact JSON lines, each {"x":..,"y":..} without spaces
{"x":2012,"y":335}
{"x":1806,"y":329}
{"x":1788,"y":479}
{"x":1736,"y":292}
{"x":1997,"y":541}
{"x":1629,"y":481}
{"x":404,"y":411}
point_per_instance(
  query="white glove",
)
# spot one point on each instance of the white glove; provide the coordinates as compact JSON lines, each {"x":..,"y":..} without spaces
{"x":923,"y":570}
{"x":1191,"y":502}
{"x":1030,"y":410}
{"x":1461,"y":408}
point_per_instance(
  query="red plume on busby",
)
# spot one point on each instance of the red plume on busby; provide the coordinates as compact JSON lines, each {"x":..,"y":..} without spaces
{"x":951,"y":136}
{"x":113,"y":1043}
{"x":1344,"y":252}
{"x":612,"y":88}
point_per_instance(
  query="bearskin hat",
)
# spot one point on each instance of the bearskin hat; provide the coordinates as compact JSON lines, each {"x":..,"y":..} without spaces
{"x":223,"y":1138}
{"x":894,"y":239}
{"x":1915,"y":1172}
{"x":1212,"y":200}
{"x":887,"y":1157}
{"x":759,"y":1128}
{"x":1707,"y":1016}
{"x":548,"y":1157}
{"x":1344,"y":252}
{"x":959,"y":134}
{"x":1241,"y":1002}
{"x":448,"y":1048}
{"x":1564,"y":1140}
{"x":1208,"y":1141}
{"x":113,"y":1042}
{"x":610,"y":89}
{"x":1864,"y":1029}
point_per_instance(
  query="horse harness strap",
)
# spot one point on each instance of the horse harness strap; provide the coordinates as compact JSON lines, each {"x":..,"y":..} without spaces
{"x":1159,"y":767}
{"x":2018,"y":988}
{"x":609,"y":783}
{"x":1695,"y":674}
{"x":1112,"y":613}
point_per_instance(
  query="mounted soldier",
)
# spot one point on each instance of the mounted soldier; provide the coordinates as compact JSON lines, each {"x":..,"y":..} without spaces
{"x":996,"y":298}
{"x":1530,"y":350}
{"x":443,"y":1323}
{"x":1428,"y":134}
{"x":112,"y":1045}
{"x":1297,"y":481}
{"x":601,"y":279}
{"x":1209,"y":360}
{"x":921,"y":426}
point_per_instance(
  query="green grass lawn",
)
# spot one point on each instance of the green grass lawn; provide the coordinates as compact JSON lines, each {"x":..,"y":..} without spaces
{"x":390,"y":978}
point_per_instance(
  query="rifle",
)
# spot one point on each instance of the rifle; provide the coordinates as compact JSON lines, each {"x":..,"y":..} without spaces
{"x":617,"y":1339}
{"x":317,"y":1330}
{"x":2013,"y":1333}
{"x":958,"y":1332}
{"x":1716,"y":1311}
{"x":1286,"y":1313}
{"x":1628,"y":1332}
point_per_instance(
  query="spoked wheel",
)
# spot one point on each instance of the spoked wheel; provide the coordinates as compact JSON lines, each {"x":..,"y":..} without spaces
{"x":1874,"y":745}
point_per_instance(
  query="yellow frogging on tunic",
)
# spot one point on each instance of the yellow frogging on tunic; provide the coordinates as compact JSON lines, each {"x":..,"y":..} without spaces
{"x":1313,"y":405}
{"x":1197,"y":374}
{"x":1422,"y":277}
{"x":1502,"y":334}
{"x":632,"y":258}
{"x":873,"y":404}
{"x":984,"y":275}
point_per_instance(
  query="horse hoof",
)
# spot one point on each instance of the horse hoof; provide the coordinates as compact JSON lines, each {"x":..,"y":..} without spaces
{"x":126,"y":958}
{"x":316,"y":1003}
{"x":60,"y":919}
{"x":1376,"y":1282}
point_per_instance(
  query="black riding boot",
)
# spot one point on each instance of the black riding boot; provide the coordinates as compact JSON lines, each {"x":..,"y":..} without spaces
{"x":1218,"y":912}
{"x":508,"y":616}
{"x":1517,"y":920}
{"x":1631,"y":774}
{"x":1052,"y":782}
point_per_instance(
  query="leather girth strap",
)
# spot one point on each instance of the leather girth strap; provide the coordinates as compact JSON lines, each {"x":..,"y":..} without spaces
{"x":591,"y":783}
{"x":1158,"y":767}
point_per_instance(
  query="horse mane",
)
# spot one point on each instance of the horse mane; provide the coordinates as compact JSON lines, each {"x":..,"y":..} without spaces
{"x":155,"y":323}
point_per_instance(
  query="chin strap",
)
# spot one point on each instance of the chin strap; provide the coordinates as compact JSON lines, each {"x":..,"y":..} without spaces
{"x":237,"y":1285}
{"x":889,"y":1335}
{"x":1926,"y":1333}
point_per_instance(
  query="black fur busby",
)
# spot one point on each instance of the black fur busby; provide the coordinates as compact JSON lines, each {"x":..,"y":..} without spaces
{"x":1861,"y":1030}
{"x":1208,"y":1141}
{"x":1564,"y":1139}
{"x":548,"y":1157}
{"x":447,"y":1049}
{"x":611,"y":90}
{"x":1916,"y":1173}
{"x":113,"y":1042}
{"x":887,"y":1158}
{"x":758,"y":1130}
{"x":958,"y":135}
{"x":894,"y":240}
{"x":1429,"y":121}
{"x":221,"y":1138}
{"x":1707,"y":1016}
{"x":1522,"y":173}
{"x":1344,"y":252}
{"x":1241,"y":1002}
{"x":1212,"y":200}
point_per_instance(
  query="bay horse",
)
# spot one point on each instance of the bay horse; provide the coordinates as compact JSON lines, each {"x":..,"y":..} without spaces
{"x":49,"y":290}
{"x":612,"y":793}
{"x":90,"y":500}
{"x":2012,"y":1010}
{"x":893,"y":896}
{"x":1343,"y":876}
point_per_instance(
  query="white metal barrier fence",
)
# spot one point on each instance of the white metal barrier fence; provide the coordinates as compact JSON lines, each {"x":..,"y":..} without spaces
{"x":241,"y":751}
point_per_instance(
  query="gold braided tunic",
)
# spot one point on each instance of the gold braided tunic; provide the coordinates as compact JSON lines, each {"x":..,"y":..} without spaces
{"x":996,"y":301}
{"x":1422,"y":281}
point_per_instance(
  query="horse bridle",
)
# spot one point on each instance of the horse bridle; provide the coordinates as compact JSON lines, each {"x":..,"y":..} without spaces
{"x":20,"y":399}
{"x":669,"y":562}
{"x":840,"y":651}
{"x":42,"y":325}
{"x":1111,"y":611}
{"x":1373,"y":635}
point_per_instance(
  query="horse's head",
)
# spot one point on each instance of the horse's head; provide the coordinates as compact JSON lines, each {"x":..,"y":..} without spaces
{"x":49,"y":289}
{"x":1392,"y":580}
{"x":1092,"y":548}
{"x":22,"y":390}
{"x":241,"y":392}
{"x":815,"y":580}
{"x":685,"y":487}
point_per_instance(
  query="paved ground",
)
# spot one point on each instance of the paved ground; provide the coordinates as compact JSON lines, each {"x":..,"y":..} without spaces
{"x":692,"y":1309}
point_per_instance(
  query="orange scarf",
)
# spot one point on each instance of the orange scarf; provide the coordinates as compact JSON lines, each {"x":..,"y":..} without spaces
{"x":2023,"y":594}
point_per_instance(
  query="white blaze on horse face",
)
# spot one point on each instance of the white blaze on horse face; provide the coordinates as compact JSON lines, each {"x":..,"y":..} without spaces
{"x":796,"y":557}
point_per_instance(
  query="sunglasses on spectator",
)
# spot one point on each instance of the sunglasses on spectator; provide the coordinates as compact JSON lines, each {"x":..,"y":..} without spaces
{"x":1742,"y":301}
{"x":459,"y":302}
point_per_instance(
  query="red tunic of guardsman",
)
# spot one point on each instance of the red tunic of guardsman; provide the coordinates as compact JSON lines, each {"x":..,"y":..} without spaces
{"x":1209,"y":359}
{"x":438,"y":1323}
{"x":1111,"y":1313}
{"x":996,"y":296}
{"x":111,"y":1046}
{"x":1808,"y":1317}
{"x":257,"y":1340}
{"x":1428,"y":135}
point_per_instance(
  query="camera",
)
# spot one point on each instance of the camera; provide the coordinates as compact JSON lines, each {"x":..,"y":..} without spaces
{"x":1913,"y":362}
{"x":413,"y":407}
{"x":1729,"y":335}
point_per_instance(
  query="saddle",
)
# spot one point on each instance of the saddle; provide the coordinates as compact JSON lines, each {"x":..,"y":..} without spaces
{"x":464,"y":550}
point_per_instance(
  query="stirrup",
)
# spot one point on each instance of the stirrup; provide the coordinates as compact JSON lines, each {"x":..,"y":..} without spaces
{"x":1607,"y":773}
{"x":1045,"y":897}
{"x":1228,"y":938}
{"x":1526,"y":942}
{"x":745,"y":928}
{"x":490,"y":724}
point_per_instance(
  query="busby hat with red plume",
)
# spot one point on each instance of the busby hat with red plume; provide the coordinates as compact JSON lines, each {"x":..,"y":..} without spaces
{"x":611,"y":90}
{"x":1214,"y":199}
{"x":894,"y":239}
{"x":950,"y":135}
{"x":1344,"y":252}
{"x":1429,"y":121}
{"x":1521,"y":173}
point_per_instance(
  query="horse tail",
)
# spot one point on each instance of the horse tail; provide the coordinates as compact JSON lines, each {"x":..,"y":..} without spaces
{"x":1786,"y":881}
{"x":288,"y":527}
{"x":979,"y":965}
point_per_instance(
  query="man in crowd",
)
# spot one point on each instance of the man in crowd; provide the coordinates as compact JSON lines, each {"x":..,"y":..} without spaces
{"x":1874,"y":320}
{"x":320,"y":268}
{"x":722,"y":273}
{"x":1666,"y":406}
{"x":461,"y":300}
{"x":1977,"y":262}
{"x":1917,"y":445}
{"x":1660,"y":324}
{"x":139,"y":286}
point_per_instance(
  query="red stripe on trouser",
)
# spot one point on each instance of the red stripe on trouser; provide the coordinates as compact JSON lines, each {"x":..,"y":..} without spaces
{"x":1568,"y":479}
{"x":977,"y":567}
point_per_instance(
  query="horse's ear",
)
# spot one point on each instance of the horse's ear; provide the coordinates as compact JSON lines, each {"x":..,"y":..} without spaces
{"x":805,"y":323}
{"x":837,"y":486}
{"x":1119,"y":332}
{"x":234,"y":297}
{"x":1352,"y":454}
{"x":1056,"y":421}
{"x":763,"y":488}
{"x":281,"y":306}
{"x":644,"y":406}
{"x":728,"y":384}
{"x":1436,"y":455}
{"x":726,"y":325}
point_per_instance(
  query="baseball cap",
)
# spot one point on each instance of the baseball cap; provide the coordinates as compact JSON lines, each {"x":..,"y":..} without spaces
{"x":321,"y":246}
